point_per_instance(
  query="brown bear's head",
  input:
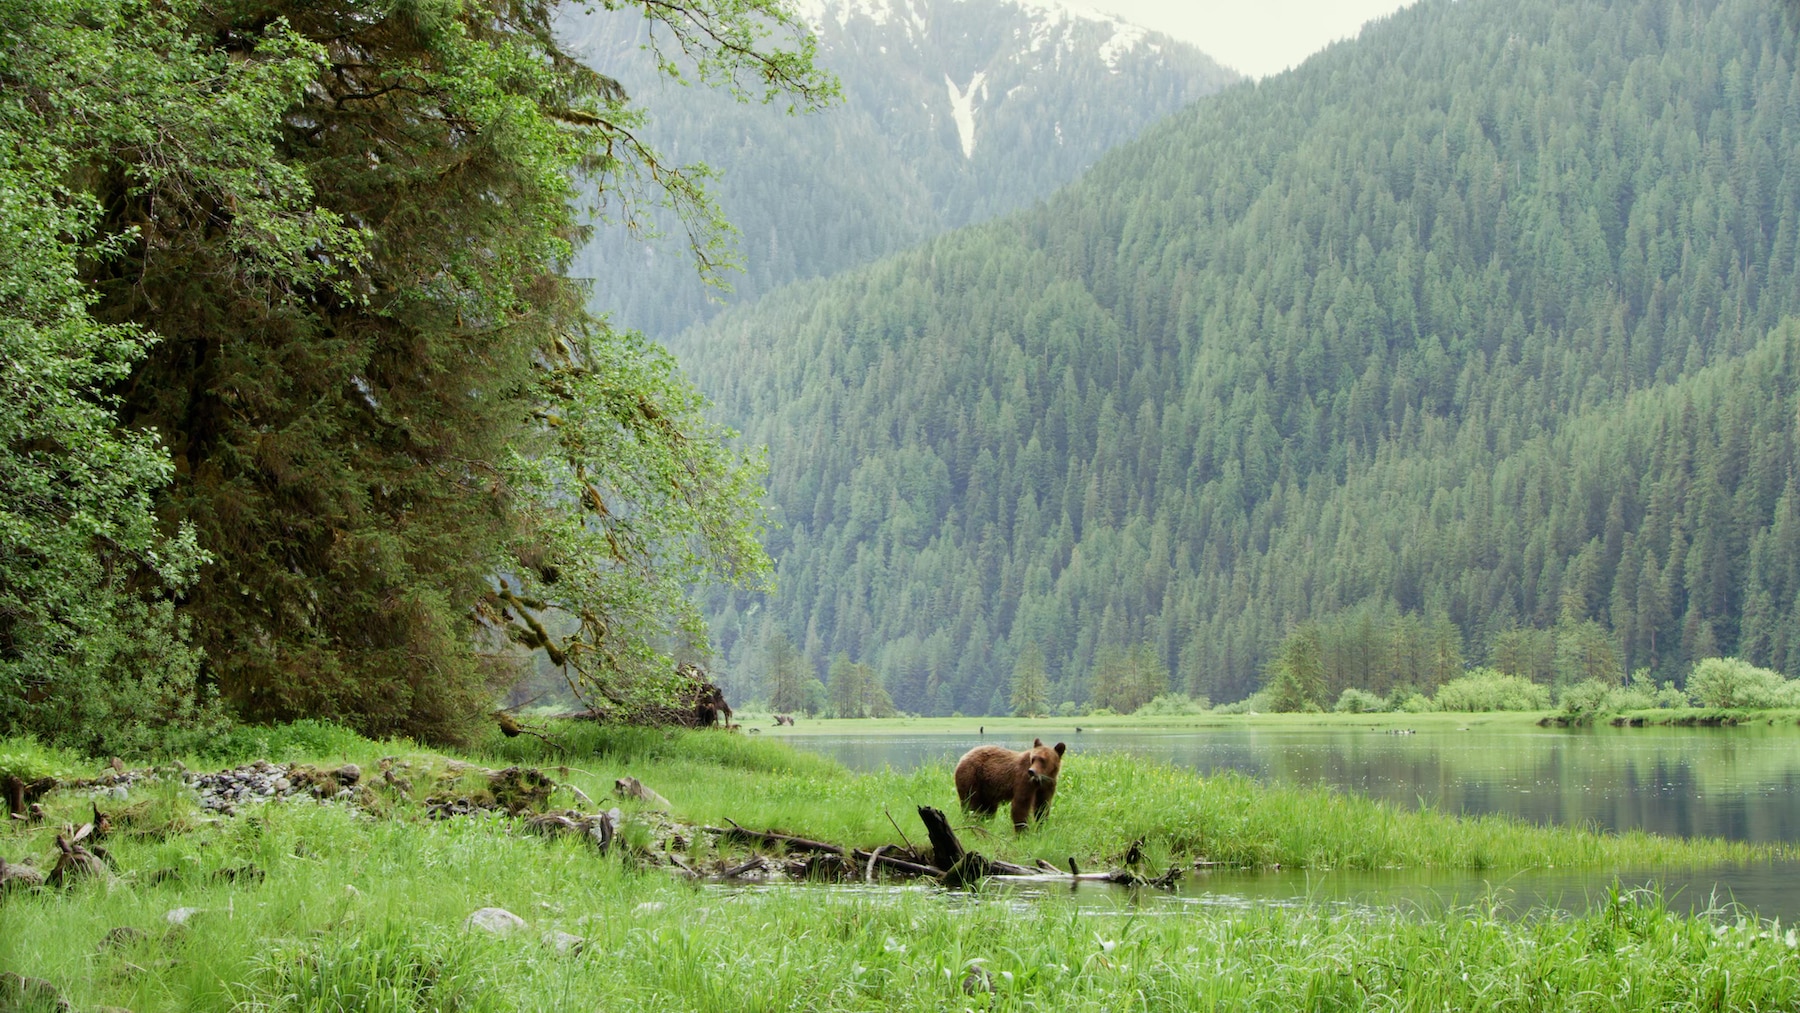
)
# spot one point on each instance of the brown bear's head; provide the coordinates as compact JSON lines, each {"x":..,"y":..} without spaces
{"x":1042,"y":762}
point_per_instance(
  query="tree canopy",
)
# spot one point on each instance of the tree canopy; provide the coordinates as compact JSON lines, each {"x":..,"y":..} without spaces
{"x":311,"y":390}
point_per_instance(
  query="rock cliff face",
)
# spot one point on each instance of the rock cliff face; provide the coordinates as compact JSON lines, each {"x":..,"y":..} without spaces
{"x":954,"y":111}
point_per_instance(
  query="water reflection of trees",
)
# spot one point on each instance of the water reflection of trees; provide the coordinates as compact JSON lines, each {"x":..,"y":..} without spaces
{"x":1736,"y":783}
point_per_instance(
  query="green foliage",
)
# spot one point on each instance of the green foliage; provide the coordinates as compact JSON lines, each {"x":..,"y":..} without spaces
{"x":1582,"y":701}
{"x":93,"y":658}
{"x":1359,"y":701}
{"x":287,"y":283}
{"x":785,"y":674}
{"x":1733,"y":682}
{"x":1478,"y":319}
{"x":855,"y":691}
{"x":1485,"y":689}
{"x":1297,"y":682}
{"x":287,"y":742}
{"x":1413,"y":703}
{"x":1030,"y":684}
{"x":1126,"y":679}
{"x":27,"y":759}
{"x":627,"y":746}
{"x":1170,"y":705}
{"x":1258,"y":702}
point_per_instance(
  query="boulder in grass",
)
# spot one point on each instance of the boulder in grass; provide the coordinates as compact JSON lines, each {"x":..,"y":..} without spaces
{"x":495,"y":921}
{"x":566,"y":943}
{"x":18,"y":877}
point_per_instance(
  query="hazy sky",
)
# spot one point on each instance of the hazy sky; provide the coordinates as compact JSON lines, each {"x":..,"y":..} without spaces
{"x":1258,"y":37}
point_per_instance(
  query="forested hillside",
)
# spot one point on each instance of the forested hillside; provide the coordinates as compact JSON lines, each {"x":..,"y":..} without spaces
{"x":1479,"y":321}
{"x":953,"y":111}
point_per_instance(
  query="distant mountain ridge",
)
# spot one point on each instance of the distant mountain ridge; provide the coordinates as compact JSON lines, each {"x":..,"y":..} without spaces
{"x":1483,"y":319}
{"x":954,"y":111}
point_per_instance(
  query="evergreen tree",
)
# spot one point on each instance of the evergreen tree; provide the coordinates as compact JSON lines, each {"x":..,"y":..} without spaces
{"x":1298,"y":680}
{"x":1030,"y":684}
{"x":784,"y":674}
{"x":393,"y":430}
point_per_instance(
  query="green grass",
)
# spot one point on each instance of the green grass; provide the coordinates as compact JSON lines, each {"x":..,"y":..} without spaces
{"x":1104,"y":802}
{"x":361,"y":912}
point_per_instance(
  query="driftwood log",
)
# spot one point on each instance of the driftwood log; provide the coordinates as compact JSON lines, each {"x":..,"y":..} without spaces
{"x":948,"y":861}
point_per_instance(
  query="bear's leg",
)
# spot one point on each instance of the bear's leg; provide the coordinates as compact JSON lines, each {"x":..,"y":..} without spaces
{"x":1022,"y":805}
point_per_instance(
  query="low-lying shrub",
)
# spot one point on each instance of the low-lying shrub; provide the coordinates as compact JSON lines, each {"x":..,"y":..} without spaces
{"x":1732,"y":682}
{"x":1359,"y":701}
{"x":1256,"y":703}
{"x":1174,"y":705}
{"x":1484,"y":689}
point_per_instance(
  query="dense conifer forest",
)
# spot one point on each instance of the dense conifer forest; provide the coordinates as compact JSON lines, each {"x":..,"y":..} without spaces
{"x":952,"y":111}
{"x":1468,"y":341}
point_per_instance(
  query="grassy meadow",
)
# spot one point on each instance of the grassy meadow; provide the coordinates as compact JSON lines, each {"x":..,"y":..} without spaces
{"x":302,"y":905}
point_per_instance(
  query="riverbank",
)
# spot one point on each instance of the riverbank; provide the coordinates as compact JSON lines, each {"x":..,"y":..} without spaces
{"x":302,"y":904}
{"x":1050,"y":729}
{"x":1398,"y":722}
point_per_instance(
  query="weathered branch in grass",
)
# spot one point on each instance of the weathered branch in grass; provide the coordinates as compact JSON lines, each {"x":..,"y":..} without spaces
{"x":887,"y":861}
{"x":739,"y":833}
{"x":755,"y":862}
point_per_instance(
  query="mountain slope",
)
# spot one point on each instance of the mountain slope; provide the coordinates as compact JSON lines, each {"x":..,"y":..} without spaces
{"x":1309,"y":347}
{"x":954,"y":111}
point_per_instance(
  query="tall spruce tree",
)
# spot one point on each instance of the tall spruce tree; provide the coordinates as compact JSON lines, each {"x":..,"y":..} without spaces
{"x":1030,"y":684}
{"x":393,"y":428}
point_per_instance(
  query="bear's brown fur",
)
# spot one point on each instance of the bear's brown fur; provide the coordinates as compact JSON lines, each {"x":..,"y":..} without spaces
{"x":986,"y":776}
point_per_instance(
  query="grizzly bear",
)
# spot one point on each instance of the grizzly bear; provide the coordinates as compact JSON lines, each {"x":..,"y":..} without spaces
{"x":989,"y":775}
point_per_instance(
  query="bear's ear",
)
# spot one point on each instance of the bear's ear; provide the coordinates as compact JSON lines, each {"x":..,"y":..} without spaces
{"x":1059,"y":748}
{"x":1037,"y":743}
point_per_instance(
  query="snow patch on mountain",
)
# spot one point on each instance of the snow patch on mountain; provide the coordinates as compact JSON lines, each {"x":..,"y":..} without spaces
{"x":1053,"y":25}
{"x":962,"y":109}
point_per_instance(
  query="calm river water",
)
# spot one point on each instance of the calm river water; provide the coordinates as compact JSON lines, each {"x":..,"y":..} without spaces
{"x":1738,"y":783}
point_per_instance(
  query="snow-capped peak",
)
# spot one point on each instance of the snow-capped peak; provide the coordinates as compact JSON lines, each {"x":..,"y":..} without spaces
{"x":881,"y":12}
{"x":1047,"y":16}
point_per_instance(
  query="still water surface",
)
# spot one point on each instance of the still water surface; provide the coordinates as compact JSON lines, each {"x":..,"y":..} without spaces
{"x":1737,"y":783}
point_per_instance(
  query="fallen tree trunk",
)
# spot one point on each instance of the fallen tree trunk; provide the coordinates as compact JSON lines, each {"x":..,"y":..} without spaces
{"x":949,"y":862}
{"x":746,"y":835}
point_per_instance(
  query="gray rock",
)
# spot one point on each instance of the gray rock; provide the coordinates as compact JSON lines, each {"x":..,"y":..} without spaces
{"x":181,"y":915}
{"x":349,"y":773}
{"x":495,"y":920}
{"x":565,"y":942}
